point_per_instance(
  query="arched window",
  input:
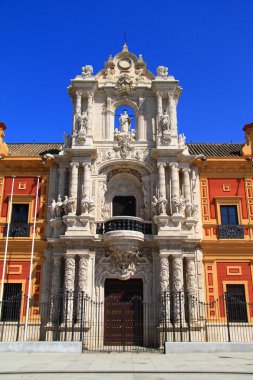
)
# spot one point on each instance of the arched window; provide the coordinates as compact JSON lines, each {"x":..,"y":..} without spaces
{"x":124,"y":121}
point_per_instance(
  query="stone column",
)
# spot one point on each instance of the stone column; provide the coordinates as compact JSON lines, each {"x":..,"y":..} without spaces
{"x":61,"y":181}
{"x":69,"y":282}
{"x":74,"y":179}
{"x":178,"y":283}
{"x":90,"y":111}
{"x":164,"y":284}
{"x":56,"y":279}
{"x":78,"y":102}
{"x":82,"y":284}
{"x":55,"y":288}
{"x":108,"y":118}
{"x":191,"y":283}
{"x":172,"y":113}
{"x":47,"y":273}
{"x":140,"y":129}
{"x":159,"y":104}
{"x":86,"y":179}
{"x":186,"y":184}
{"x":162,"y":183}
{"x":175,"y":190}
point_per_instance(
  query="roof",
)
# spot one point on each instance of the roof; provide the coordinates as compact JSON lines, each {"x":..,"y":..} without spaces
{"x":33,"y":149}
{"x":207,"y":149}
{"x":215,"y":149}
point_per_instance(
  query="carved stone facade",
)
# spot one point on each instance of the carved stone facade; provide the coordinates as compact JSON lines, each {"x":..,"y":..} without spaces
{"x":123,"y":201}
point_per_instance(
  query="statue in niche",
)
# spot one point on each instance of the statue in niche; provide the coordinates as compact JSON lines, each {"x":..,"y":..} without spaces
{"x":125,"y":122}
{"x":165,"y":122}
{"x":82,"y":121}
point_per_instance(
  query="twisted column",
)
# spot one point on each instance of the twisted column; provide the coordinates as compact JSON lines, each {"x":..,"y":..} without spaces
{"x":164,"y":285}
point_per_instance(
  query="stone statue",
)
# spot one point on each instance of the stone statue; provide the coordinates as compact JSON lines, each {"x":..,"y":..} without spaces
{"x":65,"y":205}
{"x":159,"y":205}
{"x":71,"y":204}
{"x":125,"y":122}
{"x":87,"y":204}
{"x":82,"y":122}
{"x":164,"y":121}
{"x":162,"y":71}
{"x":67,"y":140}
{"x":52,"y":209}
{"x":175,"y":203}
{"x":188,"y":209}
{"x":87,"y":71}
{"x":58,"y":207}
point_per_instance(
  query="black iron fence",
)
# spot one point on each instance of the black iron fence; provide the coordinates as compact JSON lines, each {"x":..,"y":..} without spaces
{"x":134,"y":325}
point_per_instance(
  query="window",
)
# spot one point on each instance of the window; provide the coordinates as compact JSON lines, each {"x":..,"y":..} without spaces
{"x":12,"y":297}
{"x":19,"y":213}
{"x":236,"y":303}
{"x":124,"y":206}
{"x":229,"y":214}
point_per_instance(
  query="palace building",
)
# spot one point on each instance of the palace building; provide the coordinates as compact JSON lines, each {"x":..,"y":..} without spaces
{"x":131,"y":236}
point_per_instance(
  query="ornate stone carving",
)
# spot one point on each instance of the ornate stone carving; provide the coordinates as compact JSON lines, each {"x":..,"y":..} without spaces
{"x":83,"y":273}
{"x":87,"y":204}
{"x":124,"y":84}
{"x":164,"y":124}
{"x":162,"y":71}
{"x":87,"y":71}
{"x":177,"y":274}
{"x":123,"y":265}
{"x":69,"y":273}
{"x":123,"y":147}
{"x":71,"y":204}
{"x":175,"y":204}
{"x":159,"y":205}
{"x":164,"y":273}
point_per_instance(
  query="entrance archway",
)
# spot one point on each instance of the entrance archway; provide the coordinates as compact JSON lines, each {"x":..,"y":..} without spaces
{"x":123,"y":312}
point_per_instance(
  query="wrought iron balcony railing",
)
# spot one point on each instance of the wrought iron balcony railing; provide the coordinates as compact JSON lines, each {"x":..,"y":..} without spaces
{"x":128,"y":223}
{"x":230,"y":231}
{"x":18,"y":229}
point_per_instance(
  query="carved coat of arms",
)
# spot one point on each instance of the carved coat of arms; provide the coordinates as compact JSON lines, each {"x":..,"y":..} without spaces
{"x":125,"y":84}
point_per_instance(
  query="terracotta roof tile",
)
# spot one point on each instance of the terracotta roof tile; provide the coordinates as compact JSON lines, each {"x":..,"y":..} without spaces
{"x":215,"y":149}
{"x":33,"y":149}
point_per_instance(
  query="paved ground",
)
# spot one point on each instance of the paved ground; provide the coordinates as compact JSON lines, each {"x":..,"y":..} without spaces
{"x":126,"y":366}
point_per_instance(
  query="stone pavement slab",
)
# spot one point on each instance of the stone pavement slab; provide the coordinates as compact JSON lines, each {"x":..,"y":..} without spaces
{"x":126,"y":366}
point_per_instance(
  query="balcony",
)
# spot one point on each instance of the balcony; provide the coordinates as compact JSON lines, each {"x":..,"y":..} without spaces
{"x":18,"y":230}
{"x":124,"y":233}
{"x":230,"y":231}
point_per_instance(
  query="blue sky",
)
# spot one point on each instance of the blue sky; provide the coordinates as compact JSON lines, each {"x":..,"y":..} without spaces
{"x":207,"y":45}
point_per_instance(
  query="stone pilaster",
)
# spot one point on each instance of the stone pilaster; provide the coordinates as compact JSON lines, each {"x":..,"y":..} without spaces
{"x":175,"y":189}
{"x":90,"y":111}
{"x":47,"y":272}
{"x":56,"y":279}
{"x":191,"y":282}
{"x":61,"y":181}
{"x":178,"y":283}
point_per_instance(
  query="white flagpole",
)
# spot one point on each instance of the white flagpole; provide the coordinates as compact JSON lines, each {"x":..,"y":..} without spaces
{"x":7,"y":242}
{"x":31,"y":260}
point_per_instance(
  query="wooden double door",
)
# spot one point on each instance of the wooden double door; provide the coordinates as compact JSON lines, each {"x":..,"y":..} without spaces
{"x":123,"y":312}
